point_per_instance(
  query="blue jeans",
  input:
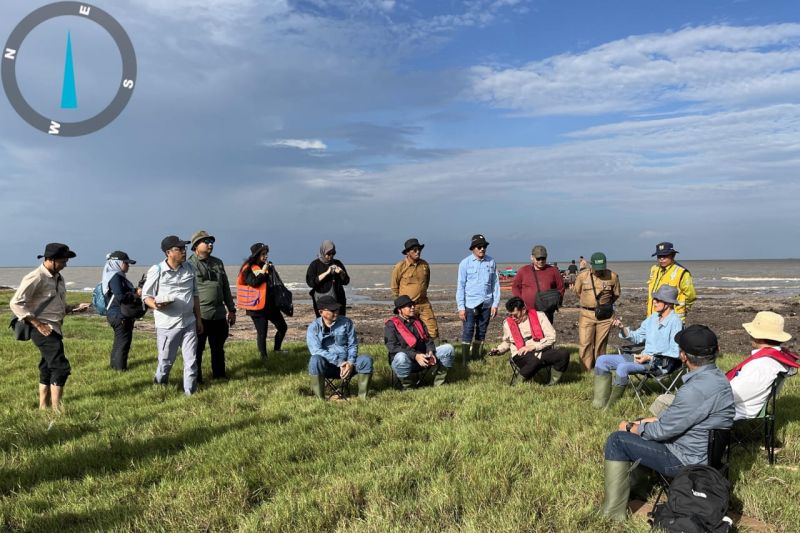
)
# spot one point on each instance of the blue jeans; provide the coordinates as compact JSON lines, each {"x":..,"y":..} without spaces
{"x":624,"y":446}
{"x":320,"y":366}
{"x":404,"y":365}
{"x":623,"y":364}
{"x":476,"y":322}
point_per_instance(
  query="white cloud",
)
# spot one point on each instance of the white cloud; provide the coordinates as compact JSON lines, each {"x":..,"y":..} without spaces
{"x":302,"y":144}
{"x":705,"y":66}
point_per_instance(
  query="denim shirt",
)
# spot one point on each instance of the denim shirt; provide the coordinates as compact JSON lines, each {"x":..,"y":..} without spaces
{"x":704,"y":402}
{"x":658,"y":336}
{"x":338,"y":345}
{"x":477,"y":283}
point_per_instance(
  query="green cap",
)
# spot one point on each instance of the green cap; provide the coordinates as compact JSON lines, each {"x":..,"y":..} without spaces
{"x":598,"y":261}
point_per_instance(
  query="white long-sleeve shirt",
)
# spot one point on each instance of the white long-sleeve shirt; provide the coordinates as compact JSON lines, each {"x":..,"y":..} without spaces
{"x":752,"y":384}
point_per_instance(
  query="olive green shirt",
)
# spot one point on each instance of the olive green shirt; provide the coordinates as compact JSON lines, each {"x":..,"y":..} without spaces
{"x":214,"y":290}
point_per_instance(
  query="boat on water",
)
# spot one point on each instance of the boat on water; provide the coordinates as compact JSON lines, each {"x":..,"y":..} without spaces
{"x":506,"y":278}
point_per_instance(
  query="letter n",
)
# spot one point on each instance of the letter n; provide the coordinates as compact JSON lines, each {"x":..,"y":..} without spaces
{"x":10,"y":54}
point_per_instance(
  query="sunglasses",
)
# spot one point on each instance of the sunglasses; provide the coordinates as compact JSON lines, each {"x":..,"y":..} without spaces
{"x":480,"y":247}
{"x":207,"y":241}
{"x":541,"y":258}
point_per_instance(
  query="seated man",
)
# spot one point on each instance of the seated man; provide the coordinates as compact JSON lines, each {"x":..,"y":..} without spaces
{"x":751,"y":380}
{"x":411,"y":348}
{"x":679,"y":436}
{"x":531,"y":339}
{"x":333,"y":345}
{"x":660,"y":350}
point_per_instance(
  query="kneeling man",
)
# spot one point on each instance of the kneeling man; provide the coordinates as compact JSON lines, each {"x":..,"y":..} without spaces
{"x":411,"y":348}
{"x":332,"y":341}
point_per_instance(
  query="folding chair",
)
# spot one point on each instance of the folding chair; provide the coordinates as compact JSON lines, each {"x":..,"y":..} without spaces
{"x":767,"y":414}
{"x":418,"y":382}
{"x":338,"y":387}
{"x":515,"y":372}
{"x":640,"y":383}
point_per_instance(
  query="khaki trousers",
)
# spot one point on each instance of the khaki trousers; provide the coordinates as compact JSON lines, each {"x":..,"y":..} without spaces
{"x":592,"y":337}
{"x":425,"y":313}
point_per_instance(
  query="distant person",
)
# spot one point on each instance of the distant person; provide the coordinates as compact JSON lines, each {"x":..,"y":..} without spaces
{"x":477,"y":296}
{"x":583,"y":265}
{"x":41,"y":301}
{"x":536,"y":278}
{"x":667,"y":272}
{"x":217,"y":309}
{"x":572,"y":273}
{"x":660,"y":352}
{"x":333,"y":345}
{"x":752,"y":379}
{"x":531,"y":339}
{"x":115,"y":283}
{"x":253,"y":295}
{"x":679,"y":436}
{"x":326,"y":275}
{"x":597,"y":290}
{"x":170,"y":290}
{"x":411,"y":347}
{"x":411,"y":277}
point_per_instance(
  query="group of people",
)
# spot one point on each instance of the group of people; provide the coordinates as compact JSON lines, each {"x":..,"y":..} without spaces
{"x":192,"y":303}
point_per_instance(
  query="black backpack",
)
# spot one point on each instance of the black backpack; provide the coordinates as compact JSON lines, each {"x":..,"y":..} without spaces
{"x":277,"y":292}
{"x":698,"y":500}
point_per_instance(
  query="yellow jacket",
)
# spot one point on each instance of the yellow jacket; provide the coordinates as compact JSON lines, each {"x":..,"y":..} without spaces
{"x":674,"y":276}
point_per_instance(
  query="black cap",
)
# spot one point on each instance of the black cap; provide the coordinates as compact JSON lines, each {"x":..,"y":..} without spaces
{"x":120,"y":256}
{"x":56,"y":250}
{"x":698,"y":340}
{"x":401,"y":302}
{"x":664,"y":248}
{"x":329,"y":303}
{"x":171,"y":241}
{"x":412,"y":243}
{"x":257,"y":248}
{"x":478,"y":240}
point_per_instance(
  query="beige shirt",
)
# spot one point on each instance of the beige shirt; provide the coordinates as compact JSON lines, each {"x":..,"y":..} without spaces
{"x":525,"y":330}
{"x":411,"y":280}
{"x":36,"y":287}
{"x":606,"y":285}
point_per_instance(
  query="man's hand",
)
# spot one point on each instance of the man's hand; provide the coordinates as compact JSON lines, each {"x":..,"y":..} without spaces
{"x":199,"y":327}
{"x":493,"y":352}
{"x":617,"y":323}
{"x":431,"y":358}
{"x":346,"y":370}
{"x":634,"y":428}
{"x":422,"y":360}
{"x":79,"y":308}
{"x":462,"y":314}
{"x":44,"y":329}
{"x":642,"y":358}
{"x":494,"y":312}
{"x":231,"y":318}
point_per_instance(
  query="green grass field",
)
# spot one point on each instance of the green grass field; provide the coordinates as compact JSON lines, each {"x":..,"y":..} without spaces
{"x":259,"y":453}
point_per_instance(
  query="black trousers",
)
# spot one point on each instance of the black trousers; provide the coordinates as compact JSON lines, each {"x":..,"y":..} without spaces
{"x":529,"y":364}
{"x":54,"y":368}
{"x":123,"y":336}
{"x":261,"y":322}
{"x":216,"y":332}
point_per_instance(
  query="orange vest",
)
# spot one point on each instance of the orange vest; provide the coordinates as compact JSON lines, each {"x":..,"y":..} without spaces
{"x":247,"y":297}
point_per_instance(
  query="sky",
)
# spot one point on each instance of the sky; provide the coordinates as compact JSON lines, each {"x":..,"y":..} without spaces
{"x":581,"y":125}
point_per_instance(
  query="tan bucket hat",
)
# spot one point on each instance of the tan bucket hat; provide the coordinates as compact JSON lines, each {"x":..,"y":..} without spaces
{"x":767,"y":325}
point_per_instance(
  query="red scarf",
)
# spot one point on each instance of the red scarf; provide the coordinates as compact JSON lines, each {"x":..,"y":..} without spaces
{"x":404,"y":332}
{"x":536,"y":329}
{"x":782,"y":356}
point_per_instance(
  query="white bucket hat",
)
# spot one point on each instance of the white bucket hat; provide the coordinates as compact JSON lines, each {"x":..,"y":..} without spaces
{"x":767,"y":325}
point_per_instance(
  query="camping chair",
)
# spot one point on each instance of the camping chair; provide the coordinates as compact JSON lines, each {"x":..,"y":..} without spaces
{"x":653,"y":381}
{"x":767,"y":414}
{"x":338,"y":387}
{"x":419,"y":377}
{"x":515,"y":372}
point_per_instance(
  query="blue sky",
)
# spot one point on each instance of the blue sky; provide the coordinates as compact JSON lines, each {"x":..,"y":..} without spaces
{"x":583,"y":126}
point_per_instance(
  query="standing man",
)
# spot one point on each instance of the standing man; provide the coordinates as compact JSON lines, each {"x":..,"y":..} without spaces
{"x":477,"y":296}
{"x":411,"y":277}
{"x":597,"y":290}
{"x":41,"y":301}
{"x":539,"y":277}
{"x":170,"y":290}
{"x":411,"y":349}
{"x":668,"y":272}
{"x":217,"y":310}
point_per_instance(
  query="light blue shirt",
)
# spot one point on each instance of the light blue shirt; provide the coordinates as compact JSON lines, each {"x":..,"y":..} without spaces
{"x":338,"y":345}
{"x":477,"y":283}
{"x":658,"y":336}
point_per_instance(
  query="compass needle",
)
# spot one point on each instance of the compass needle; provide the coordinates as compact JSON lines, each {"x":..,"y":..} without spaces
{"x":69,"y":96}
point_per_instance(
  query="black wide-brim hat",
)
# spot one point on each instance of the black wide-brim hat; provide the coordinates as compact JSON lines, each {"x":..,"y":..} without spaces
{"x":328,"y":303}
{"x":478,"y":240}
{"x":412,"y":243}
{"x":257,"y":248}
{"x":56,"y":250}
{"x":401,"y":302}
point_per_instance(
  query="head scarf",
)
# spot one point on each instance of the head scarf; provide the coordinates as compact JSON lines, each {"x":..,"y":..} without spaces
{"x":112,"y":267}
{"x":325,"y":247}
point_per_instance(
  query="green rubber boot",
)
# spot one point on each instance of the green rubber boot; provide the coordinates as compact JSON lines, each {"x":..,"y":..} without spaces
{"x":441,"y":376}
{"x":364,"y":381}
{"x":555,"y":377}
{"x":477,"y":350}
{"x":406,"y":383}
{"x":602,"y":389}
{"x":616,"y":393}
{"x":318,"y":386}
{"x":464,"y":353}
{"x":618,"y":487}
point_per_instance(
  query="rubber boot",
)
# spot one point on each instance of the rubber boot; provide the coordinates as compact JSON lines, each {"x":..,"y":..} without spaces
{"x":618,"y":486}
{"x":406,"y":382}
{"x":616,"y":393}
{"x":364,"y":381}
{"x":318,"y":386}
{"x":555,"y":377}
{"x":602,"y":390}
{"x":464,"y":353}
{"x":441,"y":376}
{"x":641,"y":481}
{"x":477,"y":350}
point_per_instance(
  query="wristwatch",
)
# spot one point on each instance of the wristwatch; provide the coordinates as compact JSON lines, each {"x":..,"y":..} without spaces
{"x":628,"y":426}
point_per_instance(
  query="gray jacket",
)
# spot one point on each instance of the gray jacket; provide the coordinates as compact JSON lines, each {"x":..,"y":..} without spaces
{"x":704,"y":402}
